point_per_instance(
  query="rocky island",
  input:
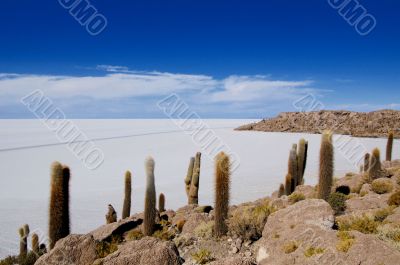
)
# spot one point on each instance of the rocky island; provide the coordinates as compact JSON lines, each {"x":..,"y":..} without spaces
{"x":359,"y":124}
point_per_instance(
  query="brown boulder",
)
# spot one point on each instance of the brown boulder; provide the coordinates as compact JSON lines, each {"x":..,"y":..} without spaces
{"x":105,"y":232}
{"x":73,"y":249}
{"x":147,"y":251}
{"x":233,"y":261}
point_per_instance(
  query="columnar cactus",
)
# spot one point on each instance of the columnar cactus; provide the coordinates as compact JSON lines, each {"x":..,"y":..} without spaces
{"x":389,"y":147}
{"x":150,"y":199}
{"x":325,"y":166}
{"x":288,"y":184}
{"x":188,"y":179}
{"x":111,"y":216}
{"x":126,"y":210}
{"x":194,"y":188}
{"x":292,"y":166}
{"x":59,"y":203}
{"x":301,"y":160}
{"x":161,"y":203}
{"x":281,"y":191}
{"x":35,"y":243}
{"x":375,"y":168}
{"x":23,"y":243}
{"x":366,"y":162}
{"x":222,"y":189}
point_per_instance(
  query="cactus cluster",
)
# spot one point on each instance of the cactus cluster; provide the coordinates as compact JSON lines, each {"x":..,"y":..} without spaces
{"x":222,"y":190}
{"x":193,"y":196}
{"x":59,"y":226}
{"x":23,"y":243}
{"x":150,"y":199}
{"x":296,"y":166}
{"x":126,"y":210}
{"x":325,"y":166}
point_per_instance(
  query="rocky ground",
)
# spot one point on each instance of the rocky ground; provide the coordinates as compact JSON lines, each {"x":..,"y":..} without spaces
{"x":360,"y":124}
{"x":359,"y":226}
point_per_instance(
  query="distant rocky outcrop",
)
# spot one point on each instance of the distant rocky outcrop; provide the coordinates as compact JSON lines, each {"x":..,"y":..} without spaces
{"x":359,"y":124}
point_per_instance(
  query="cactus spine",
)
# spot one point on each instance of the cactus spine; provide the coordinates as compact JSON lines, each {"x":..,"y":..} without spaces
{"x":375,"y":168}
{"x":222,"y":182}
{"x":325,"y":166}
{"x":59,"y":203}
{"x":35,"y":243}
{"x":281,"y":191}
{"x":194,"y":188}
{"x":150,"y":199}
{"x":301,"y":160}
{"x":126,"y":210}
{"x":389,"y":147}
{"x":188,"y":179}
{"x":288,"y":184}
{"x":366,"y":162}
{"x":161,"y":203}
{"x":23,"y":243}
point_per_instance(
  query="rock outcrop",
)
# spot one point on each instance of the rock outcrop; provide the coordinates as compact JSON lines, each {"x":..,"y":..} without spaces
{"x":360,"y":124}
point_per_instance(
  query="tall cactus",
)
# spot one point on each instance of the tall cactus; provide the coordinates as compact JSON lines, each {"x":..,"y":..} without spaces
{"x":161,"y":203}
{"x":325,"y":166}
{"x":375,"y":167}
{"x":150,"y":199}
{"x":281,"y":191}
{"x":188,"y":179}
{"x":126,"y":210}
{"x":389,"y":147}
{"x":366,"y":162}
{"x":35,"y":243}
{"x":59,"y":203}
{"x":288,"y":184}
{"x":222,"y":189}
{"x":292,"y":166}
{"x":301,"y":160}
{"x":194,"y":187}
{"x":23,"y":243}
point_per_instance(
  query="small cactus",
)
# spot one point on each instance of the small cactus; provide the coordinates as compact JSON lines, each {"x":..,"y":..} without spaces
{"x":161,"y":203}
{"x":188,"y":179}
{"x":281,"y":191}
{"x":111,"y":216}
{"x":366,"y":162}
{"x":325,"y":166}
{"x":150,"y":199}
{"x":375,"y":167}
{"x":59,"y":203}
{"x":222,"y":189}
{"x":288,"y":184}
{"x":389,"y":147}
{"x":194,"y":187}
{"x":301,"y":160}
{"x":35,"y":243}
{"x":126,"y":210}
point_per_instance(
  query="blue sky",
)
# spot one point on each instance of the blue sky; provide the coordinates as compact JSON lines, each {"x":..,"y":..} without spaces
{"x":226,"y":59}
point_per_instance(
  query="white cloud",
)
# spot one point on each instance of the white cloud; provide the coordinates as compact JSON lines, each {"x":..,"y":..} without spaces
{"x":118,"y":84}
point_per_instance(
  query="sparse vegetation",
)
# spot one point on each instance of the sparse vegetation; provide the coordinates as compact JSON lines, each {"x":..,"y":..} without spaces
{"x":105,"y":248}
{"x":296,"y":197}
{"x":205,"y":230}
{"x":390,"y":235}
{"x":382,"y":185}
{"x":248,"y":222}
{"x":364,"y":224}
{"x":290,"y":247}
{"x":203,"y":256}
{"x":337,"y":201}
{"x":394,"y":199}
{"x":346,"y":241}
{"x":311,"y":251}
{"x":134,"y":234}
